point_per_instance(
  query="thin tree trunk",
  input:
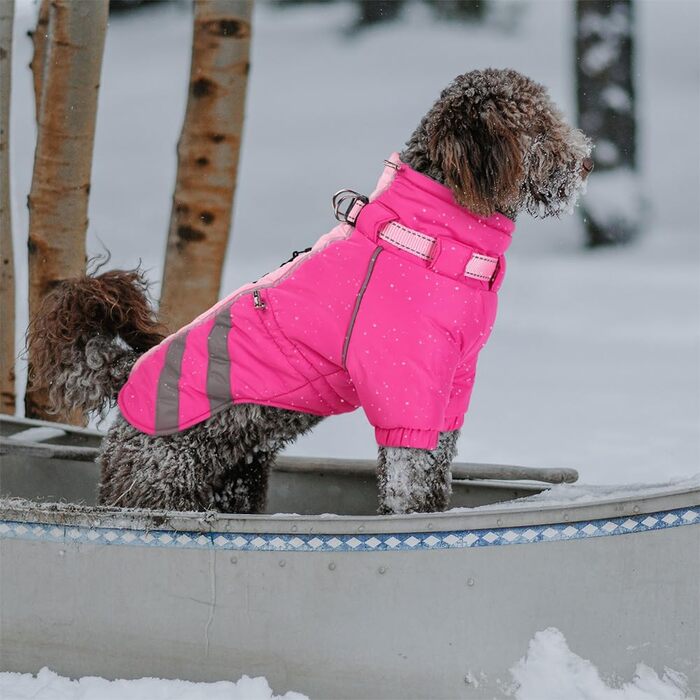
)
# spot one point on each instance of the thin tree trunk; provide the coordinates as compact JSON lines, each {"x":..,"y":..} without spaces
{"x":7,"y":266}
{"x":606,"y":105}
{"x":39,"y":37}
{"x":208,"y":153}
{"x":58,"y":200}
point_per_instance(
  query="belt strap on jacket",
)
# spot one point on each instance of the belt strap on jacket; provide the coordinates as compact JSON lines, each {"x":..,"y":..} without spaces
{"x":444,"y":256}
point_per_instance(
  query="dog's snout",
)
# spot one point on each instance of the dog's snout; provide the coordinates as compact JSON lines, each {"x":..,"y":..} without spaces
{"x":587,"y":165}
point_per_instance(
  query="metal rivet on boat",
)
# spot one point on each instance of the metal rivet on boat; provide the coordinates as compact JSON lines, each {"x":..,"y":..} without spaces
{"x":430,"y":526}
{"x":499,"y":522}
{"x":282,"y":562}
{"x":361,"y":528}
{"x":566,"y":516}
{"x":294,"y":528}
{"x":61,"y":552}
{"x":382,"y":569}
{"x":635,"y":509}
{"x":234,"y":560}
{"x":470,"y":582}
{"x":331,"y":566}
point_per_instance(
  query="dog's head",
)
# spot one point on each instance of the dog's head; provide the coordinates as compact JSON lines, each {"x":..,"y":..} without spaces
{"x":498,"y":141}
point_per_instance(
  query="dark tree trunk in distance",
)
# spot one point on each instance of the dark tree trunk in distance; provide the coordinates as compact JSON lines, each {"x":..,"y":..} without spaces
{"x":606,"y":110}
{"x":467,"y":10}
{"x":375,"y":11}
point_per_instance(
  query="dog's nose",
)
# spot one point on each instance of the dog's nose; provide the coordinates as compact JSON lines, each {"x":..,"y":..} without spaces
{"x":587,"y":165}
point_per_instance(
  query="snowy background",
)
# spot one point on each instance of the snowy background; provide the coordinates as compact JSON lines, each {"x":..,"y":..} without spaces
{"x":594,"y":361}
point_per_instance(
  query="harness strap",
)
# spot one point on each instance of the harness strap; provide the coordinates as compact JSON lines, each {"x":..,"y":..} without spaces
{"x":444,"y":256}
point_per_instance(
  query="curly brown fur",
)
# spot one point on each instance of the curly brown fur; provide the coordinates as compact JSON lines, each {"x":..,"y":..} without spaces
{"x":497,"y":140}
{"x":221,"y":464}
{"x":86,"y":336}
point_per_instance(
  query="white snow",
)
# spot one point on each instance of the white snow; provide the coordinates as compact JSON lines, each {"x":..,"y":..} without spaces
{"x":614,"y":196}
{"x":38,"y":434}
{"x":600,"y":56}
{"x":579,"y":493}
{"x":548,"y":671}
{"x":616,"y":98}
{"x":47,"y":685}
{"x":551,"y":671}
{"x":593,"y":362}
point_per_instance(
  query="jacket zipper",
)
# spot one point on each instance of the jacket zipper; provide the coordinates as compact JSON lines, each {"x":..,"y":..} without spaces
{"x":258,"y":303}
{"x":358,"y":301}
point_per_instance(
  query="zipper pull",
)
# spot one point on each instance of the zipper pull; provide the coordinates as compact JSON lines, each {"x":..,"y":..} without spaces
{"x":258,"y":303}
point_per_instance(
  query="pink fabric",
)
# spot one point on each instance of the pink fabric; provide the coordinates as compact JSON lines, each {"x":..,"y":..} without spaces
{"x":409,"y":240}
{"x":481,"y":267}
{"x":357,"y":321}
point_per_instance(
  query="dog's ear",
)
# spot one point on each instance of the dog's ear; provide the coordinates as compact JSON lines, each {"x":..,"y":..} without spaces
{"x":477,"y":151}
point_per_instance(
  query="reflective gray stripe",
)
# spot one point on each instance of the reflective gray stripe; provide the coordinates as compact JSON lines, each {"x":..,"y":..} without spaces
{"x":219,"y":365}
{"x":168,"y":396}
{"x":358,"y":301}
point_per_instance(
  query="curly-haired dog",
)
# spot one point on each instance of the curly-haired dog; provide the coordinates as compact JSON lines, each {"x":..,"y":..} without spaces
{"x":388,"y":311}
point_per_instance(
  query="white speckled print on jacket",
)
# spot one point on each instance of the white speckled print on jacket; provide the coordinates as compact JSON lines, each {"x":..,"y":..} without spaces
{"x":356,"y":321}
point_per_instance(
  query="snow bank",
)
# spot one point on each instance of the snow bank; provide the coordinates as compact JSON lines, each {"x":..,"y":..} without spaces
{"x":551,"y":671}
{"x":567,"y":494}
{"x":48,"y":685}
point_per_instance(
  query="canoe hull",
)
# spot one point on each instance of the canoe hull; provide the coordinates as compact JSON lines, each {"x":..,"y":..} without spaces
{"x":400,"y":620}
{"x":438,"y":605}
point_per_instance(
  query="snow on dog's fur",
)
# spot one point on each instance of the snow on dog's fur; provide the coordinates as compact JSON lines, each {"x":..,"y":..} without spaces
{"x":493,"y":137}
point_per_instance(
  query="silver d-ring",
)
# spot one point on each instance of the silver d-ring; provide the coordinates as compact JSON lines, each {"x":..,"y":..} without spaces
{"x":340,"y":197}
{"x":341,"y":194}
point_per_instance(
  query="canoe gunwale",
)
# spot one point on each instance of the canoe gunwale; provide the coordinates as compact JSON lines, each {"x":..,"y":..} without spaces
{"x":530,"y":514}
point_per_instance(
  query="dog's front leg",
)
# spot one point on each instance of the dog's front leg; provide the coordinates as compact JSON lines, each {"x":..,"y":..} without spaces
{"x":412,"y":480}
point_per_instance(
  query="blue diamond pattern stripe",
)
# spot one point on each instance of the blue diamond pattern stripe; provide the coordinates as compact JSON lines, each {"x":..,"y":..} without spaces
{"x":373,"y":542}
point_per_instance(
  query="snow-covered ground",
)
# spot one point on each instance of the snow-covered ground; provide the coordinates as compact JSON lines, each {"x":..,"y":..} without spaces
{"x":579,"y":494}
{"x":47,"y":685}
{"x":549,"y":671}
{"x":552,"y":671}
{"x":594,"y":361}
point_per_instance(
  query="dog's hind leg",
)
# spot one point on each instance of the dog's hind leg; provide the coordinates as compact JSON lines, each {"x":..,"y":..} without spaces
{"x":413,"y":480}
{"x":257,"y":434}
{"x":221,"y":464}
{"x":170,"y":472}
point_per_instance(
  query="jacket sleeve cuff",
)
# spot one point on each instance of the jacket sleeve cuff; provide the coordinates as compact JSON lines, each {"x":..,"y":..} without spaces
{"x":407,"y":437}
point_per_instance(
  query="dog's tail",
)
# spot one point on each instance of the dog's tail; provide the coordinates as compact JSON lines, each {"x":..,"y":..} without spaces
{"x":86,"y":337}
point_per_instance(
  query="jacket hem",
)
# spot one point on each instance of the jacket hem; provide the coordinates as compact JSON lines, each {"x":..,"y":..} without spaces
{"x":407,"y":437}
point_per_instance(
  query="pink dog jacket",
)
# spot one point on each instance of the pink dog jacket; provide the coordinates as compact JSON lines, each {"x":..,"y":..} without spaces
{"x":389,"y":314}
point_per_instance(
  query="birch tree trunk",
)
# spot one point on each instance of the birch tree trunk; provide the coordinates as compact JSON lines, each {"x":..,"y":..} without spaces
{"x":58,"y":200}
{"x":39,"y":37}
{"x":612,"y":207}
{"x":208,"y":153}
{"x":7,"y":266}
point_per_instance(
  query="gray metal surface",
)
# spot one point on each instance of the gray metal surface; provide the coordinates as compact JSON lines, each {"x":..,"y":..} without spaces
{"x":351,"y":606}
